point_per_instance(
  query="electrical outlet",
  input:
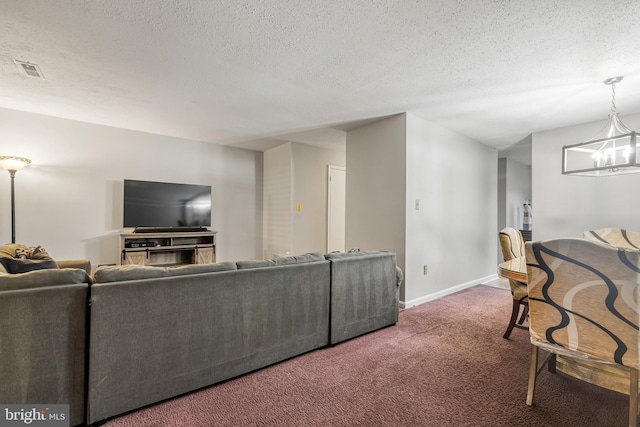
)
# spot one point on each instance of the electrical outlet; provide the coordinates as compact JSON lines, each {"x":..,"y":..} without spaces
{"x":424,"y":269}
{"x":417,"y":205}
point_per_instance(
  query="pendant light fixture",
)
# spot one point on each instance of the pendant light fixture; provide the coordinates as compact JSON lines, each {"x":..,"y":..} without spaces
{"x":613,"y":151}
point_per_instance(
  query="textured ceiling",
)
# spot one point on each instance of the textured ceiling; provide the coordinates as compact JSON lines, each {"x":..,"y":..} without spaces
{"x":252,"y":73}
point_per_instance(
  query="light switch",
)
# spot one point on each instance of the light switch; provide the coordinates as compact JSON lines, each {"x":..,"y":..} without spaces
{"x":299,"y":207}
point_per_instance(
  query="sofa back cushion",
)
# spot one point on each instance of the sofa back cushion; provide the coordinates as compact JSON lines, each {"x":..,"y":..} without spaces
{"x":120,"y":273}
{"x":286,"y":260}
{"x":43,"y":278}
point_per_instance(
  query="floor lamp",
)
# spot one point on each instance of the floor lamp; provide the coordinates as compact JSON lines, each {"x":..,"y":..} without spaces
{"x":13,"y":165}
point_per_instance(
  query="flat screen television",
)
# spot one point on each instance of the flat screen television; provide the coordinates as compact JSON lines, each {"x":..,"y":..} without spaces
{"x":164,"y":205}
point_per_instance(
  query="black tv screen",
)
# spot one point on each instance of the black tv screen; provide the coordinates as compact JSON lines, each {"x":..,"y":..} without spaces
{"x":163,"y":204}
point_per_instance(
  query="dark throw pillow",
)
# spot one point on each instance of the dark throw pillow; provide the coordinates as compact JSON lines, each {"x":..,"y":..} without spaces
{"x":19,"y":265}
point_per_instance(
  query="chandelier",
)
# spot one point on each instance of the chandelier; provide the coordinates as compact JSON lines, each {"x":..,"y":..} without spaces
{"x":611,"y":152}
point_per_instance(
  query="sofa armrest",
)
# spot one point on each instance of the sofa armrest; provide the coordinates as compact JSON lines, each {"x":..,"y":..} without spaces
{"x":365,"y":290}
{"x":43,"y":352}
{"x":84,"y":264}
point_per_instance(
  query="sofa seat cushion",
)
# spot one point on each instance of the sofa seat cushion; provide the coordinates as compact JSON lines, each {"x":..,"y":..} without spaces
{"x":43,"y":278}
{"x":120,"y":273}
{"x":286,"y":260}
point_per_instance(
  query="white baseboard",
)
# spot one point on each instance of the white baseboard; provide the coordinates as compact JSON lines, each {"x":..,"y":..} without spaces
{"x":448,"y":291}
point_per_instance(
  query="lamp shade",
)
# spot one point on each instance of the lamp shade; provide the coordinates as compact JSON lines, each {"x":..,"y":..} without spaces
{"x":12,"y":163}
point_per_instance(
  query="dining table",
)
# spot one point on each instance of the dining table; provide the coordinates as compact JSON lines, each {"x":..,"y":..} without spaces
{"x":515,"y":269}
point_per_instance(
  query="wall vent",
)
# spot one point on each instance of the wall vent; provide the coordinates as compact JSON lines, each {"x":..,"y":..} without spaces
{"x":31,"y":70}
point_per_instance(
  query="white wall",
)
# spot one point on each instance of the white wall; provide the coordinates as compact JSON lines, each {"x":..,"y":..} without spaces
{"x":566,"y":205}
{"x":310,"y":189}
{"x":70,"y":199}
{"x":454,"y":232}
{"x":396,"y":161}
{"x":375,"y":194}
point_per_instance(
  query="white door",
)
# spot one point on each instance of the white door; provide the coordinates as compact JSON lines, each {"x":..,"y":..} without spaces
{"x":336,"y":208}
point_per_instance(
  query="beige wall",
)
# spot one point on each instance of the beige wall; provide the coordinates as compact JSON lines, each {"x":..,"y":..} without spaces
{"x":310,"y":189}
{"x":295,"y":174}
{"x":70,"y":199}
{"x":376,"y":177}
{"x":277,"y":201}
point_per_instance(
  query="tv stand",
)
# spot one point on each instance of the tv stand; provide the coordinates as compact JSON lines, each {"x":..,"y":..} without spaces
{"x":169,"y":229}
{"x":166,"y":248}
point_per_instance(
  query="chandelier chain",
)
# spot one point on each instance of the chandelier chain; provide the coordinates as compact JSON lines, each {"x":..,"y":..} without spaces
{"x":613,"y":97}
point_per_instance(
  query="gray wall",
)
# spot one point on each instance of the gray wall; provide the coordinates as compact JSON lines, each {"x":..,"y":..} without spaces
{"x":566,"y":205}
{"x":502,"y":194}
{"x":514,"y":184}
{"x":70,"y":199}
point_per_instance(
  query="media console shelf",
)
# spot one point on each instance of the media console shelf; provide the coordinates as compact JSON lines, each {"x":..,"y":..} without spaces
{"x":168,"y":249}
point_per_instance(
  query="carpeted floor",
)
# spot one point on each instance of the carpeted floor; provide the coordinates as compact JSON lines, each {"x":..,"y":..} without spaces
{"x":444,"y":364}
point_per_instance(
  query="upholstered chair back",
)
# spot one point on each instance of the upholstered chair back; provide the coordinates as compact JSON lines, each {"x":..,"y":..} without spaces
{"x":584,"y":298}
{"x":617,"y":237}
{"x":512,"y":245}
{"x":511,"y":242}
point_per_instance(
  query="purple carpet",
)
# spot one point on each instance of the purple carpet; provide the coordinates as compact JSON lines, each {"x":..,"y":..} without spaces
{"x":444,"y":364}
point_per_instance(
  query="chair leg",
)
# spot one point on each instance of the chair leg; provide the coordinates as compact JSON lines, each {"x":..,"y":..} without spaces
{"x":633,"y":397}
{"x":525,"y":312}
{"x":514,"y":316}
{"x":533,"y":374}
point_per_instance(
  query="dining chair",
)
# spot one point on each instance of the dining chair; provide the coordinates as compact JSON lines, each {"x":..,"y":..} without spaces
{"x":584,"y":303}
{"x":512,"y":245}
{"x":617,"y":237}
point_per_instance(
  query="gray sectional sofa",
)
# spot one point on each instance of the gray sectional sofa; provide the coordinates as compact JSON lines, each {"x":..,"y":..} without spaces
{"x":43,"y":341}
{"x":155,"y":333}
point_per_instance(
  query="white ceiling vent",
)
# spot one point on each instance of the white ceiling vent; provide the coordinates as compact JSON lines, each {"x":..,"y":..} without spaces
{"x":31,"y":70}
